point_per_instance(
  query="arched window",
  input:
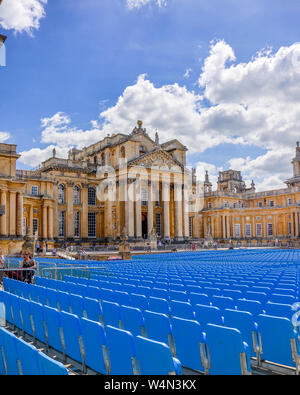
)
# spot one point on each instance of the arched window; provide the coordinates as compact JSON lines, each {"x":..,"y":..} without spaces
{"x":76,"y":195}
{"x":61,"y":194}
{"x":92,"y":196}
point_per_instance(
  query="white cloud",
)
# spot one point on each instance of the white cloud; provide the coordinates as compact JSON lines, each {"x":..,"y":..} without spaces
{"x":254,"y":103}
{"x":139,"y":3}
{"x":4,"y":136}
{"x":187,"y":73}
{"x":22,"y":15}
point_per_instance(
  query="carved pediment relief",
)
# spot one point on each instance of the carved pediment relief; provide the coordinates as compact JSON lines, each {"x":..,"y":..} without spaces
{"x":156,"y":159}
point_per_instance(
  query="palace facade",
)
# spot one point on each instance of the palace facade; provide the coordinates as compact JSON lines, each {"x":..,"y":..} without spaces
{"x":136,"y":185}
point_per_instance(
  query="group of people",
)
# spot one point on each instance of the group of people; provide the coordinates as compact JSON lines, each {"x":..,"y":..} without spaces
{"x":25,"y":275}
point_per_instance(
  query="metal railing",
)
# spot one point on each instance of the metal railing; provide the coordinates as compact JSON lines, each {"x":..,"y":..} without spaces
{"x":58,"y":273}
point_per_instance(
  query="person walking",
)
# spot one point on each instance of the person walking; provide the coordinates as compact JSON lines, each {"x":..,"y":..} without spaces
{"x":28,"y":262}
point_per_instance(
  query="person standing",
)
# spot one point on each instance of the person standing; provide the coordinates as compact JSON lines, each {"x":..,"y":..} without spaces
{"x":2,"y":264}
{"x":28,"y":262}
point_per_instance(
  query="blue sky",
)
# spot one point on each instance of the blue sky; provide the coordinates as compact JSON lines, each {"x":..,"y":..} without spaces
{"x":74,"y":60}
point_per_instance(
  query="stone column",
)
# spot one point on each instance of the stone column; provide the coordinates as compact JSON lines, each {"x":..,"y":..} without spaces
{"x":20,"y":212}
{"x":12,"y":212}
{"x":223,"y":227}
{"x":138,"y":213}
{"x":50,"y":222}
{"x":186,"y":218}
{"x":45,"y":222}
{"x":150,"y":209}
{"x":129,"y":207}
{"x":70,"y":211}
{"x":296,"y":224}
{"x":228,"y":226}
{"x":4,"y":216}
{"x":178,"y":212}
{"x":264,"y":227}
{"x":108,"y":216}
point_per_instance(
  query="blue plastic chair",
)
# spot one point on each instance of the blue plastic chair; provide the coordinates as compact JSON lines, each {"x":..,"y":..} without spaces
{"x":94,"y":339}
{"x":208,"y":315}
{"x":159,"y":305}
{"x":182,"y":310}
{"x":93,"y":310}
{"x":132,"y":320}
{"x":122,"y":353}
{"x":188,"y":338}
{"x":50,"y":367}
{"x":226,"y":353}
{"x":111,"y":313}
{"x":155,"y":358}
{"x":74,"y":347}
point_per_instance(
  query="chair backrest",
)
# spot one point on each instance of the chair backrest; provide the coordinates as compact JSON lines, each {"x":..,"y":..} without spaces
{"x":154,"y":358}
{"x":279,"y":310}
{"x":252,"y":306}
{"x":277,"y":335}
{"x":202,"y":299}
{"x":94,"y":341}
{"x":182,"y":310}
{"x":77,"y":305}
{"x":121,"y":349}
{"x":93,"y":310}
{"x":28,"y":358}
{"x":139,"y":301}
{"x":208,"y":315}
{"x":111,"y":313}
{"x":132,"y":320}
{"x":188,"y":337}
{"x":225,"y":349}
{"x":223,"y":302}
{"x":159,"y":305}
{"x":53,"y":328}
{"x":157,"y":326}
{"x":244,"y":322}
{"x":50,"y":367}
{"x":72,"y":333}
{"x":38,"y":316}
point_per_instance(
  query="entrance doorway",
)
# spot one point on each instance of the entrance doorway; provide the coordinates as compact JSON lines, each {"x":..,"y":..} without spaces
{"x":144,"y":226}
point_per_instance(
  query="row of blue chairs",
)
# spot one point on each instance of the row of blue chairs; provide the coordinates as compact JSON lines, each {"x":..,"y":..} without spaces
{"x":17,"y":357}
{"x":109,"y":351}
{"x":158,"y":326}
{"x":177,"y":308}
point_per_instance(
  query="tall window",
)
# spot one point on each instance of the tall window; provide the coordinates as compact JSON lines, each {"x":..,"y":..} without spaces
{"x":76,"y":224}
{"x":237,"y":230}
{"x":289,"y":201}
{"x":61,"y":224}
{"x":270,"y":229}
{"x":258,"y":230}
{"x":34,"y":190}
{"x":248,"y":230}
{"x":158,"y":224}
{"x":123,"y":152}
{"x":91,"y":196}
{"x":191,"y":226}
{"x":289,"y":228}
{"x":271,"y":203}
{"x":35,"y":226}
{"x":61,"y":194}
{"x":92,"y":224}
{"x":76,"y":195}
{"x":144,"y":197}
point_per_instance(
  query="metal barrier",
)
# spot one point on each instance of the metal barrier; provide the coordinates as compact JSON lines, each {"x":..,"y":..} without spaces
{"x":21,"y":274}
{"x":58,"y":273}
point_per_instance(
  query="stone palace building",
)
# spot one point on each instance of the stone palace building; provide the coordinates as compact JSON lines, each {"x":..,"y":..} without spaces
{"x":133,"y":184}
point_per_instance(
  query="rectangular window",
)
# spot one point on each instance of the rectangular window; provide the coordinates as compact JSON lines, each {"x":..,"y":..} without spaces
{"x":270,"y":229}
{"x":259,"y":204}
{"x":271,"y":203}
{"x":76,"y":224}
{"x":191,"y":226}
{"x":61,"y":224}
{"x":248,"y":230}
{"x":289,"y":201}
{"x":34,"y":190}
{"x":289,"y":228}
{"x":92,"y":225}
{"x":237,"y":230}
{"x":144,"y":197}
{"x":158,"y":225}
{"x":35,"y":226}
{"x":209,"y":205}
{"x":258,"y":230}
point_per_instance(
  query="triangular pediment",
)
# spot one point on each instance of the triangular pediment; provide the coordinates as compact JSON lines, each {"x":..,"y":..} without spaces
{"x":158,"y":158}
